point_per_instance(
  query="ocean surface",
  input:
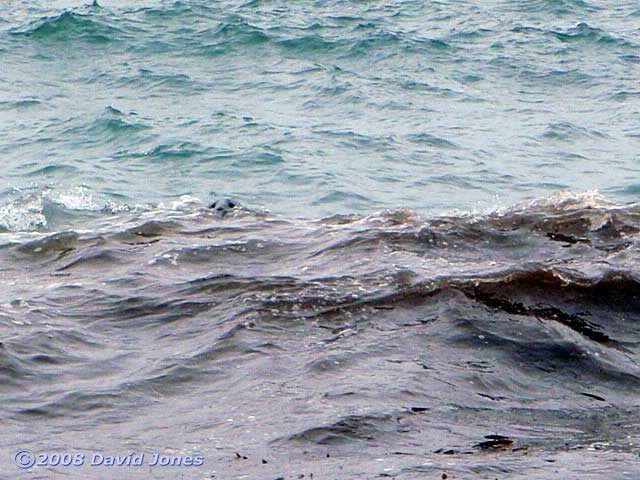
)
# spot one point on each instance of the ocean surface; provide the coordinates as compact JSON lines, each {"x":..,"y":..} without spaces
{"x":432,"y":269}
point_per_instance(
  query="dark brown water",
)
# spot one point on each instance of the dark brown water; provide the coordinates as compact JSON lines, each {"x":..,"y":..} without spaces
{"x":503,"y":345}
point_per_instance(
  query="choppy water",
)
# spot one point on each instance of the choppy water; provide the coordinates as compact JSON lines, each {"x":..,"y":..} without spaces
{"x":387,"y":294}
{"x":312,"y":108}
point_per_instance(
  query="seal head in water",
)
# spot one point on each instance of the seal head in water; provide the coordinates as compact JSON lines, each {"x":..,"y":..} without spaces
{"x":224,"y":206}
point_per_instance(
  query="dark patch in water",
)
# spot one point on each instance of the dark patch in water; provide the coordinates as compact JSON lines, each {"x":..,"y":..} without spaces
{"x":573,"y":321}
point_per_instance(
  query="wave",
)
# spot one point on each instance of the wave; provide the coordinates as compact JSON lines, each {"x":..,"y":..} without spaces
{"x":521,"y":321}
{"x":569,"y":131}
{"x":310,"y":43}
{"x":580,"y":34}
{"x":72,"y":26}
{"x":557,"y":7}
{"x":111,"y":127}
{"x":583,"y":32}
{"x":182,"y":11}
{"x":189,"y":29}
{"x":47,"y":209}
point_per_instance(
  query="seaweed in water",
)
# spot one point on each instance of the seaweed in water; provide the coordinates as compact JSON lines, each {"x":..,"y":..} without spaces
{"x":575,"y":321}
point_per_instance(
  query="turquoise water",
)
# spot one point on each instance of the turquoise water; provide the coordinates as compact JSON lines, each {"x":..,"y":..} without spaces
{"x":311,"y":108}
